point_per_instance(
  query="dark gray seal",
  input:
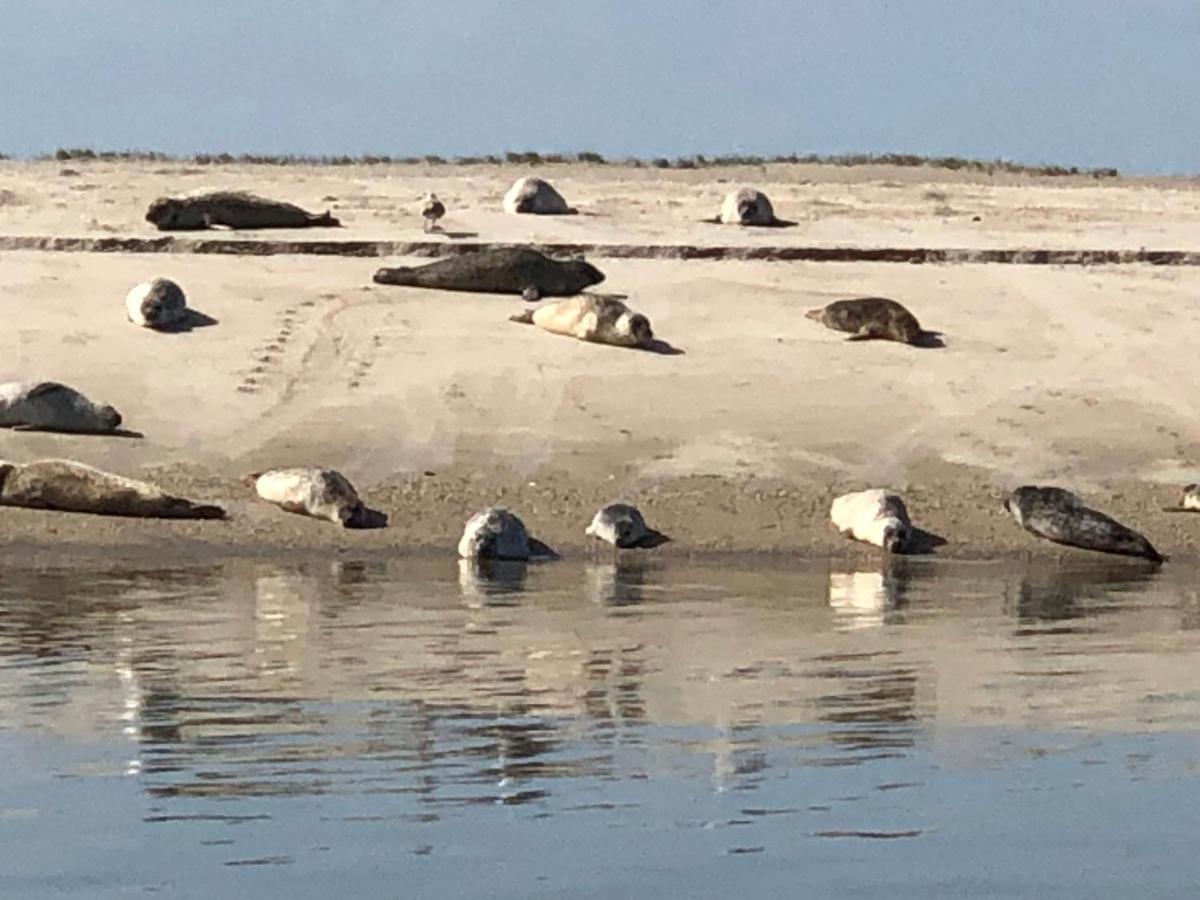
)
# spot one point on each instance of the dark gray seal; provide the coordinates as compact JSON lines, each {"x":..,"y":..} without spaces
{"x":51,"y":406}
{"x":871,"y":317}
{"x":502,"y":271}
{"x":232,"y":209}
{"x":1060,"y":516}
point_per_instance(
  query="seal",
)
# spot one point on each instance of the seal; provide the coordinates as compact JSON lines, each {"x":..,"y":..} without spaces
{"x":620,"y":524}
{"x":1189,"y":500}
{"x":1060,"y":516}
{"x":875,"y":516}
{"x":159,"y":304}
{"x":599,"y":320}
{"x":316,"y":492}
{"x":871,"y":317}
{"x":51,"y":406}
{"x":69,"y":486}
{"x":537,"y":197}
{"x":498,"y":271}
{"x":231,"y":209}
{"x":748,"y":206}
{"x":432,"y":210}
{"x":494,"y":533}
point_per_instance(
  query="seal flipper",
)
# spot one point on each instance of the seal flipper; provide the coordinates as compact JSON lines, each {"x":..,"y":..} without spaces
{"x":531,"y":293}
{"x":404,"y":276}
{"x":326,"y":220}
{"x":525,"y":318}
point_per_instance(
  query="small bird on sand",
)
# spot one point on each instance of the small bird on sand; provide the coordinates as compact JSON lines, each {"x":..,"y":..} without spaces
{"x":433,"y":210}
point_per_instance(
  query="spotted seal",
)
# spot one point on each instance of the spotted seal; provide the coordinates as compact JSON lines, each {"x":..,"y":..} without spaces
{"x":231,"y":209}
{"x":159,"y":304}
{"x":320,"y":493}
{"x":1189,"y":500}
{"x":51,"y":406}
{"x":619,"y":524}
{"x":1061,"y":516}
{"x":871,"y":317}
{"x":69,"y":486}
{"x":875,"y":516}
{"x":600,"y":320}
{"x":537,"y":197}
{"x":498,"y":271}
{"x":494,"y":533}
{"x":748,"y":206}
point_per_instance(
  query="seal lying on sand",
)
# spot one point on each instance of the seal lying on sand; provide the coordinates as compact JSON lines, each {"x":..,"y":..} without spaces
{"x":321,"y":493}
{"x":68,"y":486}
{"x":620,"y":524}
{"x":158,"y":304}
{"x":1189,"y":500}
{"x":431,"y":210}
{"x":50,"y":406}
{"x":1060,"y":516}
{"x":875,"y":516}
{"x":233,"y":209}
{"x":747,"y":206}
{"x":601,"y":320}
{"x":535,"y":196}
{"x":501,"y":271}
{"x":494,"y":533}
{"x":871,"y":317}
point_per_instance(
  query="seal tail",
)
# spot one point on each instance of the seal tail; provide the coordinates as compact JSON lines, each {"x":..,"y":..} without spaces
{"x":326,"y":220}
{"x":180,"y":508}
{"x":815,"y":314}
{"x":401,"y":275}
{"x":525,"y":318}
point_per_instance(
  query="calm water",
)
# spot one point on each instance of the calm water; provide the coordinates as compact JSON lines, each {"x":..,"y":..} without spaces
{"x":570,"y":730}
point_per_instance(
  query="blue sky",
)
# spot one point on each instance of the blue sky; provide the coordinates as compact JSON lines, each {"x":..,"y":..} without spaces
{"x":1085,"y":82}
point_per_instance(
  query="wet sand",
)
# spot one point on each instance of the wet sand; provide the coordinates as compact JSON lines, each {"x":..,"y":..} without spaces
{"x":434,"y":404}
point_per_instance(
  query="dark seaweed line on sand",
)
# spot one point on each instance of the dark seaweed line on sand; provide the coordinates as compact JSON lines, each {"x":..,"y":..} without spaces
{"x":252,"y":247}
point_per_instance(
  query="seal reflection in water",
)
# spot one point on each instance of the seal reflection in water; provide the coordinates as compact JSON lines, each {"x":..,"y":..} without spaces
{"x":320,"y":493}
{"x":70,"y":486}
{"x":494,"y":533}
{"x":599,"y":320}
{"x":871,"y":317}
{"x":501,"y":271}
{"x":158,"y":304}
{"x":1060,"y":516}
{"x":231,"y":209}
{"x":875,"y":516}
{"x":50,"y":406}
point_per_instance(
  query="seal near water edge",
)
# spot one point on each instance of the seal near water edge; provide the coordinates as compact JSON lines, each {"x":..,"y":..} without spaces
{"x":51,"y":406}
{"x":498,"y":271}
{"x":159,"y":304}
{"x":872,"y":317}
{"x":600,"y":320}
{"x":537,"y":197}
{"x":494,"y":533}
{"x":1189,"y":500}
{"x":620,"y":524}
{"x":875,"y":516}
{"x":231,"y":209}
{"x":68,"y":486}
{"x":1061,"y":516}
{"x":432,"y":209}
{"x":320,"y":493}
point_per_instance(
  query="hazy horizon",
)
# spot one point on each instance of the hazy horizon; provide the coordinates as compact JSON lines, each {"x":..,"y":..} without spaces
{"x":1109,"y":83}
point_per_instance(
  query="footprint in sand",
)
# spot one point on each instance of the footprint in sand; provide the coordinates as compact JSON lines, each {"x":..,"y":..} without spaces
{"x":361,"y":367}
{"x":268,"y":355}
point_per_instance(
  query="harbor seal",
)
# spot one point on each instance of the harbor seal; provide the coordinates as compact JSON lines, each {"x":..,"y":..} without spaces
{"x":500,"y":271}
{"x":537,"y":197}
{"x":1060,"y":516}
{"x":871,"y":317}
{"x":159,"y":304}
{"x":431,"y":211}
{"x":620,"y":524}
{"x":316,"y":492}
{"x":69,"y":486}
{"x":1189,"y":500}
{"x":494,"y":533}
{"x":232,"y":209}
{"x":50,"y":406}
{"x":600,"y":320}
{"x":750,"y":207}
{"x":875,"y":516}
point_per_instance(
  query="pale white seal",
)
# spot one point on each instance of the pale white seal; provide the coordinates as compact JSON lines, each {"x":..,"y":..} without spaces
{"x":747,"y":206}
{"x":156,"y":304}
{"x":876,"y":516}
{"x":494,"y":533}
{"x":535,"y":196}
{"x":320,"y":493}
{"x":591,"y":317}
{"x":69,"y":486}
{"x":432,"y":210}
{"x":50,"y":406}
{"x":620,"y":524}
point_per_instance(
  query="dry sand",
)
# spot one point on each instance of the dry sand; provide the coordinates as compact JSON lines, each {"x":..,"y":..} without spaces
{"x":434,"y":404}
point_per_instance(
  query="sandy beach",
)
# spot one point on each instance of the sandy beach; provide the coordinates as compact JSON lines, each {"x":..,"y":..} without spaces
{"x":435,"y":405}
